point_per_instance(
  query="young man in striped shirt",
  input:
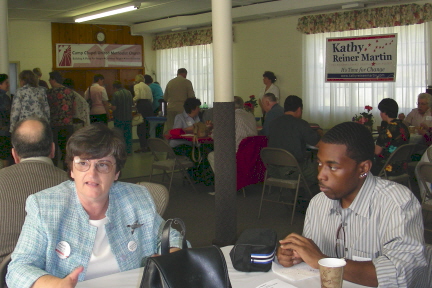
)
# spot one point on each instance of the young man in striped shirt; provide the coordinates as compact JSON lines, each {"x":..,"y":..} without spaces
{"x":375,"y":224}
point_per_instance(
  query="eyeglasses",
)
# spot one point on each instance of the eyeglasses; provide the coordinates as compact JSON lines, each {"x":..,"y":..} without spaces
{"x":102,"y":166}
{"x":340,"y":242}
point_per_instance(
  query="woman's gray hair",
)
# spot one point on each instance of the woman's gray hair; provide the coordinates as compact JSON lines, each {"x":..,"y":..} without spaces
{"x":426,"y":96}
{"x":238,"y":102}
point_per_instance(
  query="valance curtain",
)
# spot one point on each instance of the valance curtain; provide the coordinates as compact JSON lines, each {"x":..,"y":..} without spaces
{"x":182,"y":39}
{"x":366,"y":19}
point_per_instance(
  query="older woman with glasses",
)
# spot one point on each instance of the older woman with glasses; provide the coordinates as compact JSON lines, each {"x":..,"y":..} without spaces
{"x":91,"y":226}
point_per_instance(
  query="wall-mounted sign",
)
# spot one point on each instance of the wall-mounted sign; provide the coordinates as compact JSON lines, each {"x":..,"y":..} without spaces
{"x":361,"y":59}
{"x":98,"y":55}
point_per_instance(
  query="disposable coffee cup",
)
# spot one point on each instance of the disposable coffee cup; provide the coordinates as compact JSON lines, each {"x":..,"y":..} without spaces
{"x":412,"y":129}
{"x":331,"y":272}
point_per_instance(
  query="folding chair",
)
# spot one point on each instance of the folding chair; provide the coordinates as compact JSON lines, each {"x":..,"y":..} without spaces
{"x":159,"y":194}
{"x":402,"y":155}
{"x":424,"y":172}
{"x":282,"y":158}
{"x":172,"y":162}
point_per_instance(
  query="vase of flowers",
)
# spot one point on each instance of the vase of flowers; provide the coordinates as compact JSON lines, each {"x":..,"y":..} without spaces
{"x":251,"y":104}
{"x":365,"y":118}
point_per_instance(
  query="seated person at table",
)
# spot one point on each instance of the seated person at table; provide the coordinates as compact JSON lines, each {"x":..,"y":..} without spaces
{"x":375,"y":224}
{"x":393,"y":133}
{"x":420,"y":115}
{"x":91,"y":226}
{"x":185,"y":121}
{"x":292,"y":133}
{"x":272,"y":111}
{"x":245,"y":124}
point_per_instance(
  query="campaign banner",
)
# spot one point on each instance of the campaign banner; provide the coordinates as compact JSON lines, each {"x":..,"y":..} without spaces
{"x":98,"y":55}
{"x":361,"y":59}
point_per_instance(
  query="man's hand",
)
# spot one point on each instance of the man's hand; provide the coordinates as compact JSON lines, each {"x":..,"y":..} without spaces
{"x":287,"y":257}
{"x":303,"y":248}
{"x":401,"y":116}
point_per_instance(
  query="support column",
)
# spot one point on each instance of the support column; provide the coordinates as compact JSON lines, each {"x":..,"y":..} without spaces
{"x":4,"y":55}
{"x":224,"y":123}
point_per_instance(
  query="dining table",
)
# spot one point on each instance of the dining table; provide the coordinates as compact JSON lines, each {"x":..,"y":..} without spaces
{"x":132,"y":278}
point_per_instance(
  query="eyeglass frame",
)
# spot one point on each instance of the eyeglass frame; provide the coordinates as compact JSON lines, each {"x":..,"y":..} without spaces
{"x":341,"y":227}
{"x":77,"y":160}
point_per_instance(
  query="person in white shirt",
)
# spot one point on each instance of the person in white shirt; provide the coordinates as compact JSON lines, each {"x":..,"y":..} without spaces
{"x":143,"y":99}
{"x":268,"y":79}
{"x":245,"y":124}
{"x":420,"y":116}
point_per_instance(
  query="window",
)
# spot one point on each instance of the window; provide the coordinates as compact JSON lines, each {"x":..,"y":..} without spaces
{"x":331,"y":103}
{"x":198,"y":61}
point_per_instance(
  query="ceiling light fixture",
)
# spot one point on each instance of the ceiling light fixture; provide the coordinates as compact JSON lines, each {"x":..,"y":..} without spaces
{"x":108,"y":13}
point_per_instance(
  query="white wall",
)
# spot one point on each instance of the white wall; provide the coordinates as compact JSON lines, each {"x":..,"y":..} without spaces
{"x":30,"y":45}
{"x":274,"y":45}
{"x":149,"y":57}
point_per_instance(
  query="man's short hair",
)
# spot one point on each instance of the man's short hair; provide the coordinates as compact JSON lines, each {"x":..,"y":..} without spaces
{"x":56,"y":76}
{"x":98,"y":77}
{"x":389,"y":107}
{"x":97,"y":141}
{"x":270,"y":96}
{"x":148,"y":79}
{"x":34,"y":144}
{"x":181,"y":71}
{"x":117,"y":84}
{"x":191,"y":104}
{"x":238,"y":102}
{"x":427,"y":97}
{"x":3,"y":77}
{"x":356,"y":137}
{"x":292,"y":103}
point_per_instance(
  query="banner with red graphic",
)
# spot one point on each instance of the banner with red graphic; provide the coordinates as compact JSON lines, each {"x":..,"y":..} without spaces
{"x":98,"y":55}
{"x":361,"y":59}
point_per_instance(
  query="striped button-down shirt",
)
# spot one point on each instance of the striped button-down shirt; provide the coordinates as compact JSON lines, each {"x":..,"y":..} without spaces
{"x":383,"y":224}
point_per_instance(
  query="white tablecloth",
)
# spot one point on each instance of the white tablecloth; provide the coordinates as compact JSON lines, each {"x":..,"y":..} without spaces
{"x":132,"y":278}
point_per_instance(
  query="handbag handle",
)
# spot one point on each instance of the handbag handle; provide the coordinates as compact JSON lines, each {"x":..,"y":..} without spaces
{"x":165,"y":245}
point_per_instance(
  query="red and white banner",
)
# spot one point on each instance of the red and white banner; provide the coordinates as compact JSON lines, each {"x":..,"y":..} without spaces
{"x":98,"y":55}
{"x":361,"y":59}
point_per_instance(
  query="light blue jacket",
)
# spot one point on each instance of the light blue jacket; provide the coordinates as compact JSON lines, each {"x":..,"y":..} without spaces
{"x":55,"y":215}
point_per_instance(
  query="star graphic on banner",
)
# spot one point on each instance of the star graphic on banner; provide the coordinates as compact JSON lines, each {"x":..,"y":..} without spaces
{"x":376,"y":41}
{"x":365,"y":49}
{"x":374,"y":50}
{"x":369,"y":44}
{"x":373,"y":63}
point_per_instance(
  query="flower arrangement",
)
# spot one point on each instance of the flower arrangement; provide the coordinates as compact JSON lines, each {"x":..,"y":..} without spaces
{"x":365,"y":118}
{"x":251,"y":104}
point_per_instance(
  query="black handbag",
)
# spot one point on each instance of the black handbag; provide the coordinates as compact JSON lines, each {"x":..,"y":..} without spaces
{"x":254,"y":250}
{"x":186,"y":268}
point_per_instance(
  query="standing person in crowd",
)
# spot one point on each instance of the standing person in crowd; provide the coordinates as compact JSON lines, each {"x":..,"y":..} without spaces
{"x":30,"y":100}
{"x":99,"y":110}
{"x":5,"y":112}
{"x":375,"y":224}
{"x":268,"y":79}
{"x":156,"y":92}
{"x":81,"y":116}
{"x":176,"y":92}
{"x":89,"y":227}
{"x":62,"y":107}
{"x":272,"y":109}
{"x":121,"y":105}
{"x":157,"y":98}
{"x":422,"y":115}
{"x":245,"y":124}
{"x":34,"y":172}
{"x":143,"y":99}
{"x":393,"y":134}
{"x":38,"y":73}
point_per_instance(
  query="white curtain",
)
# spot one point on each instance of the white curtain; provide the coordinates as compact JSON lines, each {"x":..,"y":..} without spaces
{"x":198,"y":61}
{"x":331,"y":103}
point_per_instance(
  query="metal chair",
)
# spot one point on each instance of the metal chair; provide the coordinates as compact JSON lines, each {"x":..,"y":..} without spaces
{"x":160,"y":195}
{"x":172,"y":162}
{"x":3,"y":270}
{"x":282,"y":158}
{"x":424,"y":172}
{"x":401,"y":154}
